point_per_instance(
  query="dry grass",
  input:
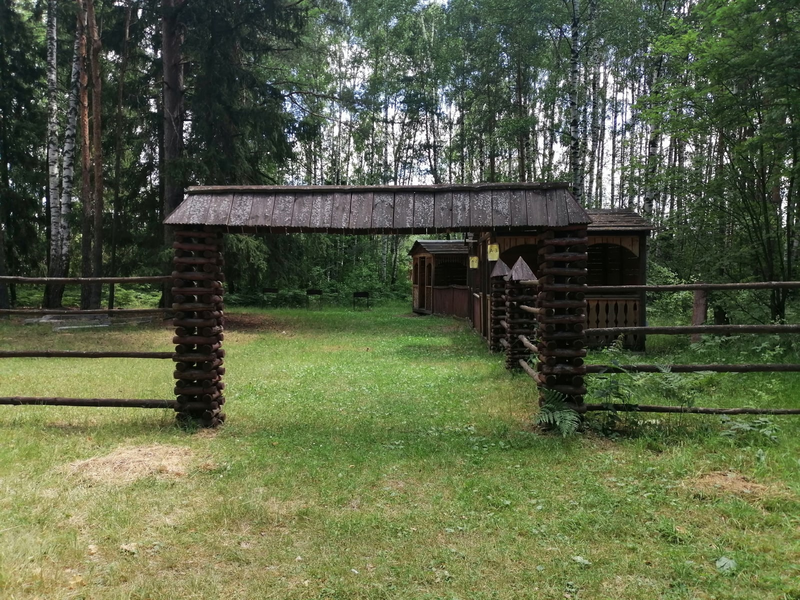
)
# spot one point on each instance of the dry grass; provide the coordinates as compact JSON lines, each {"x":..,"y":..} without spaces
{"x":131,"y":463}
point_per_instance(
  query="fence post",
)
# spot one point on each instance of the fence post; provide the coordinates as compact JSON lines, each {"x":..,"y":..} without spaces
{"x":517,"y":322}
{"x":562,"y":324}
{"x":197,"y":296}
{"x":497,"y":305}
{"x":699,"y":311}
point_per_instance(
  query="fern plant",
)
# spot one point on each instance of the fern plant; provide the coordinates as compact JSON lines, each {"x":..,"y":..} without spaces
{"x":554,"y":413}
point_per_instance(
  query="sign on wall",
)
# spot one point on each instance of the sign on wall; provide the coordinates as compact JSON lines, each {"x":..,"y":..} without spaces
{"x":494,"y":252}
{"x":473,"y":262}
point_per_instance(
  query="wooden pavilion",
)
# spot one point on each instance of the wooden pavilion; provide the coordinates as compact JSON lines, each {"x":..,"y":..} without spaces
{"x":439,"y":277}
{"x":486,"y":211}
{"x":617,"y":255}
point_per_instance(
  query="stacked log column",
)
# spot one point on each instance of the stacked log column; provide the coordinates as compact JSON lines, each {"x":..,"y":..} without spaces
{"x":497,"y":306}
{"x":562,"y":321}
{"x":516,"y":321}
{"x":197,"y":301}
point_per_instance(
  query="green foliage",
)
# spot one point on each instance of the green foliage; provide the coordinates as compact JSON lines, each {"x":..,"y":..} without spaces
{"x":750,"y":431}
{"x":554,"y":413}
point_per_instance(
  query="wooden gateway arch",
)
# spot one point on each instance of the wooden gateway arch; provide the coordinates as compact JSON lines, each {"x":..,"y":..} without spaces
{"x":548,"y":211}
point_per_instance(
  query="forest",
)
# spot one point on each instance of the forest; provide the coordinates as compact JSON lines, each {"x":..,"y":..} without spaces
{"x":686,"y":112}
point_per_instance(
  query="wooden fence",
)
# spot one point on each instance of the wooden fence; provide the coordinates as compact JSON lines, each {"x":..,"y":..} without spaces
{"x":557,"y":363}
{"x":96,"y":402}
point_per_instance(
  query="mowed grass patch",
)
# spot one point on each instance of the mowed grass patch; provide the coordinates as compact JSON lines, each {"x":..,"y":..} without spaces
{"x":374,"y":454}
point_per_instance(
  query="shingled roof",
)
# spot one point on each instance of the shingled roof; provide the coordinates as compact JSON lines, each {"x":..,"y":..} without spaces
{"x":381,"y":209}
{"x":621,"y":220}
{"x":440,"y":247}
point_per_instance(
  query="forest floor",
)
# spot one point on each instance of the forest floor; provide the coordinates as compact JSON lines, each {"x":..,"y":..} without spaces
{"x":376,"y":454}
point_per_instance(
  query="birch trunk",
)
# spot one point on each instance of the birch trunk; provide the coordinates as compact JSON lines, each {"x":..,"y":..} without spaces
{"x":574,"y":71}
{"x":52,"y":296}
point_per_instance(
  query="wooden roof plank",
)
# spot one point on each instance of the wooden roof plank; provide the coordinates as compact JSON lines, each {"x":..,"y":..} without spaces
{"x":382,"y":211}
{"x":361,"y":210}
{"x":240,"y":210}
{"x":460,"y":209}
{"x":193,"y":210}
{"x":537,"y":208}
{"x":284,"y":208}
{"x":480,"y":209}
{"x":562,"y":212}
{"x":403,"y":210}
{"x":552,"y":210}
{"x":301,"y":212}
{"x":219,"y":210}
{"x":501,"y":208}
{"x":519,"y":208}
{"x":340,"y":215}
{"x":261,"y":213}
{"x":443,"y":210}
{"x":321,"y":206}
{"x":423,"y":210}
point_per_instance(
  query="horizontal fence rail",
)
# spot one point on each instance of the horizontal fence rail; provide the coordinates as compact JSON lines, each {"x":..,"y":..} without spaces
{"x":715,"y":368}
{"x":82,"y":354}
{"x":681,"y":329}
{"x":94,"y":402}
{"x":82,"y":280}
{"x":77,"y":311}
{"x":697,"y":410}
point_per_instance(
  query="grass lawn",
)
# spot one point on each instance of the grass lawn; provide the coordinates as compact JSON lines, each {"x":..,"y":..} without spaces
{"x":380,"y":455}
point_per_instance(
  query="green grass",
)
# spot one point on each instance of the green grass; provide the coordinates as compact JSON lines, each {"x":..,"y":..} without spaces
{"x":380,"y":455}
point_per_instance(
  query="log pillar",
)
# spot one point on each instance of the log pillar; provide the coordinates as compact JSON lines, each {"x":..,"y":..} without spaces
{"x":197,"y":295}
{"x":497,"y":305}
{"x":516,"y":322}
{"x":562,"y":259}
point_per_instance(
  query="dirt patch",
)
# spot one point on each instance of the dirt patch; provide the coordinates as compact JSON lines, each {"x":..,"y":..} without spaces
{"x":248,"y":323}
{"x":727,"y":483}
{"x":128,"y":464}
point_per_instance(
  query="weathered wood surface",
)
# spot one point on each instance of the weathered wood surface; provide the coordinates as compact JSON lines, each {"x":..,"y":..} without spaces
{"x":80,"y":280}
{"x":687,"y":287}
{"x":715,"y":368}
{"x":687,"y":409}
{"x":382,"y":211}
{"x":423,"y":211}
{"x":89,"y":311}
{"x":709,"y":329}
{"x":397,"y":209}
{"x":301,"y":212}
{"x":96,"y":402}
{"x":81,"y":354}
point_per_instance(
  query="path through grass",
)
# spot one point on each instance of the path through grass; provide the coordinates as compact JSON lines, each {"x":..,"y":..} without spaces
{"x":374,"y":455}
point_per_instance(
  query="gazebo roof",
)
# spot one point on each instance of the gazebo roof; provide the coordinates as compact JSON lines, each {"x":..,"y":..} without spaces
{"x":617,"y":219}
{"x":439,"y":247}
{"x":381,"y":209}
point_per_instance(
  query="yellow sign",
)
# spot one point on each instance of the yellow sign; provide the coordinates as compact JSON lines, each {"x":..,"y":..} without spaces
{"x":473,"y":262}
{"x":494,"y":252}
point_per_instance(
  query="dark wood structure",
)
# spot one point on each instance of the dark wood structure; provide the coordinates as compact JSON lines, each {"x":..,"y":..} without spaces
{"x":510,"y":210}
{"x":439,"y":277}
{"x":616,"y":245}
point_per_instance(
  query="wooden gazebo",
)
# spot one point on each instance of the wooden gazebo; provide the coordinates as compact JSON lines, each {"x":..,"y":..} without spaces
{"x":617,"y":255}
{"x":439,"y":277}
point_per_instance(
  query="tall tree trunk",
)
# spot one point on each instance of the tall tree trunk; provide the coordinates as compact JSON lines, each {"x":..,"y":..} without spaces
{"x":172,"y":102}
{"x":97,"y":155}
{"x":574,"y":72}
{"x":118,"y":150}
{"x":52,"y":294}
{"x":172,"y":60}
{"x":86,"y":162}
